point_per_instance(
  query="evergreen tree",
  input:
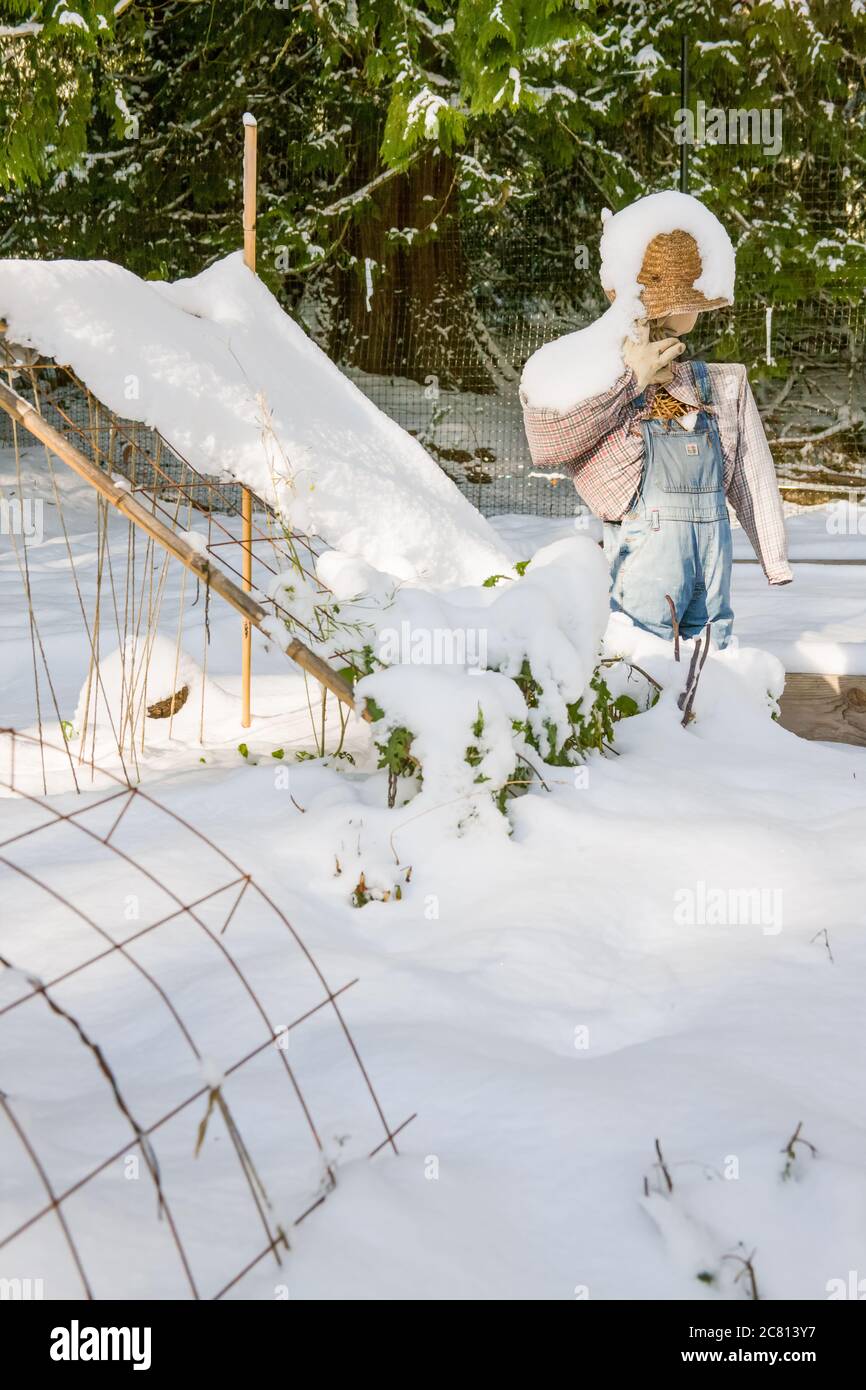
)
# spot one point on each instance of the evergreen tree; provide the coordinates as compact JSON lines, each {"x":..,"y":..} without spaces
{"x":394,"y":134}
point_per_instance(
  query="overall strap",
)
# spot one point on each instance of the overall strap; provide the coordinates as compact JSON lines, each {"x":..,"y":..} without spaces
{"x":702,"y":382}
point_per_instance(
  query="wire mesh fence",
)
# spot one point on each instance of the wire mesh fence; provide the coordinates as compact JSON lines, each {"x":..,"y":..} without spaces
{"x":168,"y":1091}
{"x":434,"y":326}
{"x":806,"y":366}
{"x":806,"y":360}
{"x":125,"y":447}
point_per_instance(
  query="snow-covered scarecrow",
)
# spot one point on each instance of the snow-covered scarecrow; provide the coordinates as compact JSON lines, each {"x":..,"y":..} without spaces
{"x":656,"y":446}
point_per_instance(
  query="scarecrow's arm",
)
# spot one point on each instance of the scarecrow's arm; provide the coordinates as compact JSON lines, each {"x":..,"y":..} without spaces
{"x":754,"y":492}
{"x":566,"y":441}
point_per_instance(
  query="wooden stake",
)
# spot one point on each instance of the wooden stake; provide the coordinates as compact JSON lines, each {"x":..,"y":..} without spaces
{"x":247,"y":581}
{"x":250,"y":159}
{"x":123,"y":499}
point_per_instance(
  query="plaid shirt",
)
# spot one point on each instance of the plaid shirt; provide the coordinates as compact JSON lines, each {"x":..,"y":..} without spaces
{"x":599,"y":444}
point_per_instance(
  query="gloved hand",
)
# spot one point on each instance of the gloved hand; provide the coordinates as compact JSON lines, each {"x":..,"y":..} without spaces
{"x":651,"y":362}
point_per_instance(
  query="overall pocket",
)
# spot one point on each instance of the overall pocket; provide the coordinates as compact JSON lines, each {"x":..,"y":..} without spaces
{"x":685,"y":462}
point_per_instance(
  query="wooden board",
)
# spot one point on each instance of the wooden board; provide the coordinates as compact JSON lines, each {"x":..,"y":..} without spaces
{"x":825,"y":707}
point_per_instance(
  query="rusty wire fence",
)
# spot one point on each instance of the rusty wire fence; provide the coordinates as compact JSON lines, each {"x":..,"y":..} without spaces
{"x":178,"y":1080}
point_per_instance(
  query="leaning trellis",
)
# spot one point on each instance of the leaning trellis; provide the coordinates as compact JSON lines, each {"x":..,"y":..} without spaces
{"x":134,"y":474}
{"x":125,"y":502}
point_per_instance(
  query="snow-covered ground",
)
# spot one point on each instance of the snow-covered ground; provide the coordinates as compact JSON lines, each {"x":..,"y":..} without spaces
{"x":670,"y":945}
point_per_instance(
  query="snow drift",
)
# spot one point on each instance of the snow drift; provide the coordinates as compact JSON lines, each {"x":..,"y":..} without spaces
{"x":235,"y":386}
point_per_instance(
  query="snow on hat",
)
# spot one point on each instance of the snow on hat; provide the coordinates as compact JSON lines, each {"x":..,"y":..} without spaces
{"x":667,"y":254}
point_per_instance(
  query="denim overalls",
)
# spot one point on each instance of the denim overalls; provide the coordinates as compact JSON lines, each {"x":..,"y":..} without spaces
{"x":675,"y":537}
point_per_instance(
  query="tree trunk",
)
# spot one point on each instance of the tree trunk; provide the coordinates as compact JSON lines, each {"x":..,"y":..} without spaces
{"x":414,"y":316}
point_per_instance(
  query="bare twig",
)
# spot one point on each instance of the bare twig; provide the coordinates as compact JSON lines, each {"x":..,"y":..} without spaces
{"x":696,"y":651}
{"x":664,"y":1167}
{"x":675,"y":624}
{"x":796,"y":1138}
{"x":523,"y":758}
{"x":633,"y":666}
{"x":823,"y":932}
{"x":693,"y":684}
{"x":748,"y":1268}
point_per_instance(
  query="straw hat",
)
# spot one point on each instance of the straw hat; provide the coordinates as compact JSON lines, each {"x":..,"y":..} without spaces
{"x":671,"y":265}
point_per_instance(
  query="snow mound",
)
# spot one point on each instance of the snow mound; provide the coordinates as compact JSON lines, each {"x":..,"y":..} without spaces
{"x":449,"y":713}
{"x":452,"y":662}
{"x":235,"y":386}
{"x":149,"y":678}
{"x":738,"y":691}
{"x":581,"y":365}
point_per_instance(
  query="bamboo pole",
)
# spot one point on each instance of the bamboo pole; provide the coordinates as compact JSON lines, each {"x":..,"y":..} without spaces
{"x":125,"y":502}
{"x":247,"y":581}
{"x":250,"y":159}
{"x":250,"y":177}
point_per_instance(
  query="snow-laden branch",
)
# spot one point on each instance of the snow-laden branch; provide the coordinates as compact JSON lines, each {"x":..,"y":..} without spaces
{"x":31,"y":27}
{"x":847,"y":420}
{"x":359,"y":194}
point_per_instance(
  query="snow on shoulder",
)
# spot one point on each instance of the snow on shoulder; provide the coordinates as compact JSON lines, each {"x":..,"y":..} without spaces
{"x":581,"y":365}
{"x":237,"y":388}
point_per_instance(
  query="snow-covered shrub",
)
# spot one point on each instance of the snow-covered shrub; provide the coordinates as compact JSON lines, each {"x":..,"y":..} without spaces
{"x":454,"y":734}
{"x":472,"y":688}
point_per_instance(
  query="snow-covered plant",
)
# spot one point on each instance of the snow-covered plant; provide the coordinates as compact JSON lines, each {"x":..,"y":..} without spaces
{"x":395,"y":753}
{"x":450,"y":735}
{"x":57,"y":76}
{"x":473,"y":731}
{"x":590,"y":723}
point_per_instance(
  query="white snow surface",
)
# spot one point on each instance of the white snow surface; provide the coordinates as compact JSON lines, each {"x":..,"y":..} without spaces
{"x":577,"y":366}
{"x":551,"y":993}
{"x":237,"y":388}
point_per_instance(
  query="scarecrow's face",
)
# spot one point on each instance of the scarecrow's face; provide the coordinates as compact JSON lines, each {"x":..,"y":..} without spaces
{"x":677,"y":324}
